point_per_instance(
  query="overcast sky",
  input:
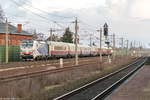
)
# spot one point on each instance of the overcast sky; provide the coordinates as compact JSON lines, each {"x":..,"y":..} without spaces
{"x":126,"y":18}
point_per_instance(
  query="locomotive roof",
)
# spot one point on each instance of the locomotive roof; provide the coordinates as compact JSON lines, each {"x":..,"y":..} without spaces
{"x":71,"y":44}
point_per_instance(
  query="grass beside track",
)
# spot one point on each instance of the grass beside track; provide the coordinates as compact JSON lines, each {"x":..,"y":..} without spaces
{"x":37,"y":63}
{"x":52,"y":91}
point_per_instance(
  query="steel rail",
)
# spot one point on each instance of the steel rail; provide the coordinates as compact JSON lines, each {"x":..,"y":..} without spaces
{"x":23,"y":65}
{"x":39,"y":73}
{"x":78,"y":90}
{"x":29,"y":63}
{"x":107,"y":91}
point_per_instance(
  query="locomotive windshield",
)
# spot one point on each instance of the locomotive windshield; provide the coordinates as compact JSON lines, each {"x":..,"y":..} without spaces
{"x":27,"y":44}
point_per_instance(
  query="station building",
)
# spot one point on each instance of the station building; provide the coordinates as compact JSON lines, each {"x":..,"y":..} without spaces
{"x":15,"y":36}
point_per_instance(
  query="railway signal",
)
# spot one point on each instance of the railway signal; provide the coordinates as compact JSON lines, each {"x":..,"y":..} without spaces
{"x":106,"y":34}
{"x":105,"y":30}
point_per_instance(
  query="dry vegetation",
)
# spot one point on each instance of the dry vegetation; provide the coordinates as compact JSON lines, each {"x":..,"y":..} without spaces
{"x":50,"y":86}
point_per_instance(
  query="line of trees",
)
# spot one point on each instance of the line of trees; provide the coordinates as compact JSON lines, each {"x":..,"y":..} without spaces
{"x":67,"y":36}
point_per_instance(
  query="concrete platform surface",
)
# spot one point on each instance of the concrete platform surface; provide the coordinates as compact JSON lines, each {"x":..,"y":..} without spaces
{"x":136,"y":88}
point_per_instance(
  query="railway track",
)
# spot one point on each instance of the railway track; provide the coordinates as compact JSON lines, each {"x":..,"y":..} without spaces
{"x":23,"y":65}
{"x":8,"y":72}
{"x":44,"y":64}
{"x":39,"y":73}
{"x":100,"y":88}
{"x":37,"y":63}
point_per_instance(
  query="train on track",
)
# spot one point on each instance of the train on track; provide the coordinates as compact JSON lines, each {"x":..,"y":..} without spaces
{"x":37,"y":50}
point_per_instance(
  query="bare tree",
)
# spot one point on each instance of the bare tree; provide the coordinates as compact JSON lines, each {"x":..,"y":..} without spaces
{"x":40,"y":36}
{"x":53,"y":38}
{"x":2,"y":16}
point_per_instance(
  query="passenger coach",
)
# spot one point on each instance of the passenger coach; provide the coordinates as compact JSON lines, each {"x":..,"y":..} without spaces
{"x":32,"y":49}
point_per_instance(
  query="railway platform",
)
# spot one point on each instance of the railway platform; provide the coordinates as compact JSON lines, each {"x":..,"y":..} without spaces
{"x":135,"y":88}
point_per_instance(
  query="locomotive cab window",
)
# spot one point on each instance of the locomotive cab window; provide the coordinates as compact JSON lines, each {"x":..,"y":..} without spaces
{"x":27,"y":44}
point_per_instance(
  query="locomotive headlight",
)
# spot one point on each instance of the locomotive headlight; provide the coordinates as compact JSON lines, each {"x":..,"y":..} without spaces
{"x":26,"y":52}
{"x":112,"y":51}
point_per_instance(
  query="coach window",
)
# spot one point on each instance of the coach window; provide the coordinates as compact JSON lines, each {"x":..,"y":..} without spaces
{"x":64,"y":48}
{"x":58,"y":48}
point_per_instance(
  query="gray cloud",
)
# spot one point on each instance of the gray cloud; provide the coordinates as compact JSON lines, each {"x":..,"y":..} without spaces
{"x":118,"y":15}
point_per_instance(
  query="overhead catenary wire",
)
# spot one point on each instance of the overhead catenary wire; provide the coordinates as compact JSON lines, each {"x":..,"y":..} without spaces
{"x":43,"y":17}
{"x":28,"y":3}
{"x":90,"y":28}
{"x":89,"y":25}
{"x":14,"y":21}
{"x":46,"y":17}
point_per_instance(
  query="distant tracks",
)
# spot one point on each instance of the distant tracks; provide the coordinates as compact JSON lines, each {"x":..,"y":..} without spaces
{"x":37,"y":63}
{"x":31,"y":64}
{"x":98,"y":89}
{"x":39,"y":73}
